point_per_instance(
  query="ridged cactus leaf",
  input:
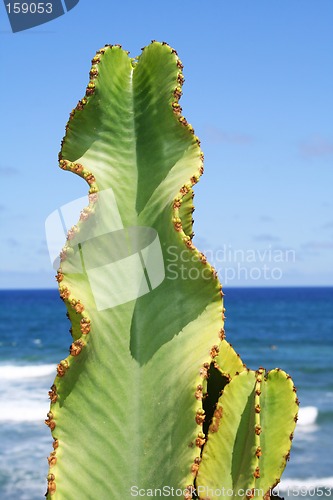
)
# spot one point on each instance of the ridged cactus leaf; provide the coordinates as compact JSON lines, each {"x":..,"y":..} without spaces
{"x":227,"y":362}
{"x":250,"y":436}
{"x":278,"y":420}
{"x":126,"y":404}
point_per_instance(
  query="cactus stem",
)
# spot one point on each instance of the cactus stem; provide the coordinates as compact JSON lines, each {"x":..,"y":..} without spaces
{"x":62,"y":367}
{"x":53,"y":394}
{"x":64,"y":292}
{"x":183,"y":121}
{"x":214,"y":351}
{"x":218,"y":413}
{"x":257,"y":472}
{"x":184,"y":190}
{"x":49,"y":421}
{"x":257,"y":419}
{"x":200,"y":416}
{"x":93,"y":72}
{"x":76,"y":347}
{"x":52,"y":459}
{"x":96,"y":59}
{"x":59,"y":276}
{"x":85,"y":213}
{"x":198,"y":392}
{"x":222,"y":334}
{"x":72,"y":232}
{"x":177,"y":92}
{"x":180,"y":78}
{"x":188,"y":493}
{"x":202,"y":258}
{"x":177,"y":224}
{"x":194,"y":179}
{"x":195,"y":466}
{"x":51,"y":485}
{"x":77,"y":168}
{"x":176,"y":108}
{"x":179,"y":64}
{"x":177,"y":203}
{"x":200,"y":440}
{"x":257,"y":430}
{"x":204,"y":371}
{"x":214,"y":273}
{"x":93,"y":197}
{"x":85,"y":326}
{"x":188,"y":242}
{"x":79,"y":308}
{"x":63,"y":254}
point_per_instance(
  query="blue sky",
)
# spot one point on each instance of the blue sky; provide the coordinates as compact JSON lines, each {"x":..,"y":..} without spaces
{"x":258,"y":91}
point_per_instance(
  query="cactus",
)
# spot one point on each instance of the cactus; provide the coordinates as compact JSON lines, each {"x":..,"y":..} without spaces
{"x":132,"y":404}
{"x":250,"y":436}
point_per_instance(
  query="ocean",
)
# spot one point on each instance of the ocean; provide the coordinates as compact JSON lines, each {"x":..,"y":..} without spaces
{"x":291,"y":328}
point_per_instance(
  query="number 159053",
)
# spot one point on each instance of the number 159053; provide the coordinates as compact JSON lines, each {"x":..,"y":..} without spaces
{"x":29,"y":8}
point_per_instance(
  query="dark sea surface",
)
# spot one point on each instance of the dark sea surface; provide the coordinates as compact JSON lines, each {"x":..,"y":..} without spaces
{"x":291,"y":328}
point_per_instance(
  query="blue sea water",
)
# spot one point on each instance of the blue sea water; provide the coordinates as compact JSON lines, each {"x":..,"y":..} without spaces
{"x":291,"y":328}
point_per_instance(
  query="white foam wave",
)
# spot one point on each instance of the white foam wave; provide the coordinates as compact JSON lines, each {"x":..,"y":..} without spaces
{"x":20,"y":411}
{"x":307,"y":484}
{"x":16,"y":372}
{"x":307,"y":415}
{"x":23,"y":392}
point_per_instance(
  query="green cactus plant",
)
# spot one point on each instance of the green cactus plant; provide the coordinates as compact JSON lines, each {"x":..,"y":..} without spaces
{"x":134,"y":406}
{"x":250,"y":436}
